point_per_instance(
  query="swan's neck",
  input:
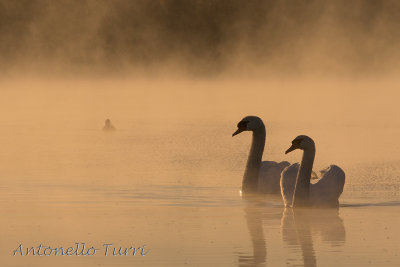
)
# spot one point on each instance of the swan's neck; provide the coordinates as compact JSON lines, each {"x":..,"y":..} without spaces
{"x":250,"y":178}
{"x":302,"y":189}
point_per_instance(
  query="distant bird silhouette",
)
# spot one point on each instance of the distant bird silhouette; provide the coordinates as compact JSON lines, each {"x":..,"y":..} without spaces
{"x":108,"y":127}
{"x":259,"y":176}
{"x":296,"y":188}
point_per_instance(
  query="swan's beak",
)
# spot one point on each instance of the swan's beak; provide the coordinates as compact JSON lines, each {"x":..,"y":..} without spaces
{"x":293,"y":147}
{"x":238,"y":131}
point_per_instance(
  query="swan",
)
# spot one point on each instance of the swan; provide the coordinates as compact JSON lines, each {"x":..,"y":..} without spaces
{"x":259,"y":177}
{"x":296,"y":188}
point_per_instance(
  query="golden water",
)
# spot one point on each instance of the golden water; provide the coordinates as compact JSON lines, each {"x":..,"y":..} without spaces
{"x":169,"y":177}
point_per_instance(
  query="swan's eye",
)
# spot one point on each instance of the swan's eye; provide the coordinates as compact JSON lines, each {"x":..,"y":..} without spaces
{"x":242,"y":124}
{"x":297,"y":141}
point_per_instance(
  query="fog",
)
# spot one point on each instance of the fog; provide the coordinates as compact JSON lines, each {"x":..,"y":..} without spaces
{"x":199,"y":38}
{"x":323,"y":68}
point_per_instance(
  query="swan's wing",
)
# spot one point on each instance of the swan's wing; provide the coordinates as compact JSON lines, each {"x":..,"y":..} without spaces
{"x":270,"y":175}
{"x":327,"y":190}
{"x":288,"y":182}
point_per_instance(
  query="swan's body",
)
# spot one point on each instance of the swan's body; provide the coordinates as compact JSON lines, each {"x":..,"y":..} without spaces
{"x":296,"y":188}
{"x":269,"y":176}
{"x":259,"y":177}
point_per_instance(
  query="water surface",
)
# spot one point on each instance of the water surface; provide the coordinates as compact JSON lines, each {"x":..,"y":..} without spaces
{"x":169,"y":178}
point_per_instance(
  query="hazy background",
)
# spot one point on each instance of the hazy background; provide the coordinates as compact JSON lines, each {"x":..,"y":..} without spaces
{"x":323,"y":68}
{"x":199,"y":38}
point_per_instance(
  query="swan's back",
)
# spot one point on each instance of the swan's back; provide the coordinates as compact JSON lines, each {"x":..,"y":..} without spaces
{"x":324,"y":193}
{"x":269,"y":176}
{"x":327,"y":190}
{"x":288,"y":183}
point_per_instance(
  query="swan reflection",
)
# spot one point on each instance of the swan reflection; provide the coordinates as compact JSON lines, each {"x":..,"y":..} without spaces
{"x":300,"y":226}
{"x":257,"y":215}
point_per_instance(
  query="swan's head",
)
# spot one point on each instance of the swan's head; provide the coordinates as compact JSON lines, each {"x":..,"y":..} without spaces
{"x":302,"y":142}
{"x":249,"y":123}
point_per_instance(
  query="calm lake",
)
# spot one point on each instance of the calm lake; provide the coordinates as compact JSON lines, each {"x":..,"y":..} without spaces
{"x":168,"y":179}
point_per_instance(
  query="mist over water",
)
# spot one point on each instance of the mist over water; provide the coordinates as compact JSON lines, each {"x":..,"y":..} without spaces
{"x":175,"y":77}
{"x":199,"y":38}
